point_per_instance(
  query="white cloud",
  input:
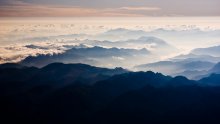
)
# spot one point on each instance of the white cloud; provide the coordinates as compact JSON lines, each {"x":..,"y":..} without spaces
{"x":18,"y":52}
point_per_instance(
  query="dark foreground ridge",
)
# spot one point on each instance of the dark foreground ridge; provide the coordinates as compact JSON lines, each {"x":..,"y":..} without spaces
{"x":79,"y":93}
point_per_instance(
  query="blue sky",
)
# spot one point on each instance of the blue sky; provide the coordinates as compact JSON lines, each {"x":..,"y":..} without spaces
{"x":19,"y":8}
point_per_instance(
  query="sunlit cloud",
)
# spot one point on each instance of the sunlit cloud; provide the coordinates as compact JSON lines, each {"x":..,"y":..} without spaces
{"x":18,"y":52}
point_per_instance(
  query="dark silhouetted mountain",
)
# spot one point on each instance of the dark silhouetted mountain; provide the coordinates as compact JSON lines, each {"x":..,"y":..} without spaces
{"x":70,"y":73}
{"x":10,"y":74}
{"x":12,"y":80}
{"x":127,"y":97}
{"x":11,"y":65}
{"x":120,"y":84}
{"x":181,"y":81}
{"x":213,"y":79}
{"x":189,"y":104}
{"x":51,"y":77}
{"x":113,"y":57}
{"x":58,"y":73}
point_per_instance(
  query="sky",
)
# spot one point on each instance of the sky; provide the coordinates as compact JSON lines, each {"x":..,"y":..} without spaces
{"x":108,"y":8}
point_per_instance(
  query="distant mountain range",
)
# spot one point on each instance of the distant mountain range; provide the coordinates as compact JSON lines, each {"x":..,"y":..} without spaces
{"x":194,"y":65}
{"x":106,"y":53}
{"x":194,"y":57}
{"x":175,"y":67}
{"x":79,"y":93}
{"x":125,"y":34}
{"x":213,"y":70}
{"x":98,"y":56}
{"x":190,"y":69}
{"x":197,"y":64}
{"x":120,"y":34}
{"x":153,"y":44}
{"x":212,"y":51}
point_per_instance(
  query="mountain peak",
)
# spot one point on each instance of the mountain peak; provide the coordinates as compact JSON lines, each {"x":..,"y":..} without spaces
{"x":213,"y":51}
{"x":11,"y":65}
